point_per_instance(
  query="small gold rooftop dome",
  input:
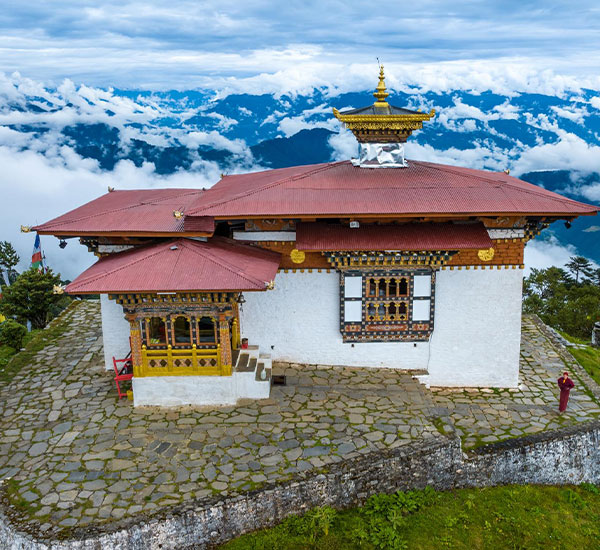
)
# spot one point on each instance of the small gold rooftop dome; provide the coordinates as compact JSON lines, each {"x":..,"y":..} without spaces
{"x":382,"y":122}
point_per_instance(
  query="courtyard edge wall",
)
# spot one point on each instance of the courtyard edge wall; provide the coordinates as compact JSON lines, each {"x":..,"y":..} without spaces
{"x":567,"y":456}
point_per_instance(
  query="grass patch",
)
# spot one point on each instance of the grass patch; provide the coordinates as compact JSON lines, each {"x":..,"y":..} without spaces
{"x":513,"y":517}
{"x":6,"y":352}
{"x":35,"y":341}
{"x":589,"y":359}
{"x":573,"y":339}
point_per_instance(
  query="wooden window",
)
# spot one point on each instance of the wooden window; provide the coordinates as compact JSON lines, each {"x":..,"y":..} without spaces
{"x":387,"y":305}
{"x":156,"y":332}
{"x":182,"y":331}
{"x":207,"y":331}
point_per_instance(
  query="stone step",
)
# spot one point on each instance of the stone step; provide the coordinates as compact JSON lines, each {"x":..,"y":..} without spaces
{"x":242,"y":364}
{"x":252,"y":364}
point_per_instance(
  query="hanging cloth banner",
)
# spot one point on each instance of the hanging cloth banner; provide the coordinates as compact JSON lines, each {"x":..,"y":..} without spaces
{"x":36,"y":257}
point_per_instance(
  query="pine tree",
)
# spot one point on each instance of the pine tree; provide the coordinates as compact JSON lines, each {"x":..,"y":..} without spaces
{"x":579,"y":265}
{"x":31,"y":297}
{"x":8,"y":260}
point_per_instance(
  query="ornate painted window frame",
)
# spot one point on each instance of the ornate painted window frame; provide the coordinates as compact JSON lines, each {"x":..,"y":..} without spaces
{"x":359,"y":322}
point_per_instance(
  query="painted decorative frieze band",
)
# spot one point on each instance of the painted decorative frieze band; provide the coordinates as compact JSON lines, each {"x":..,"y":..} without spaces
{"x":506,"y":233}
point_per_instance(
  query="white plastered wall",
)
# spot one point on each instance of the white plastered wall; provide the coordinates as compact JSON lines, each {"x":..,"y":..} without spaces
{"x":174,"y":391}
{"x":115,"y":331}
{"x":477,"y":336}
{"x":475,"y":341}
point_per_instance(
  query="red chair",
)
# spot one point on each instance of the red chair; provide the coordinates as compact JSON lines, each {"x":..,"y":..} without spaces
{"x":124,"y":373}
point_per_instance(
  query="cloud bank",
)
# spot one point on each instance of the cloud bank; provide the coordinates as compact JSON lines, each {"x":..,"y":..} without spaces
{"x":185,"y":44}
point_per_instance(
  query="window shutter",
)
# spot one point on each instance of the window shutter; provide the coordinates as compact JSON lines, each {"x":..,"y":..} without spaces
{"x":422,"y":286}
{"x":352,"y":299}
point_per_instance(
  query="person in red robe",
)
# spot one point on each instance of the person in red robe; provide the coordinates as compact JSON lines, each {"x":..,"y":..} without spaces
{"x":565,"y":384}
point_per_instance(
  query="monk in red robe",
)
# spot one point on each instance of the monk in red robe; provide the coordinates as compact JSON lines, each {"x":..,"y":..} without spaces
{"x":565,"y":384}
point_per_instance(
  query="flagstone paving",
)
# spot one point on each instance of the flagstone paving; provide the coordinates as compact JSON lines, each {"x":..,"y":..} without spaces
{"x":77,"y":455}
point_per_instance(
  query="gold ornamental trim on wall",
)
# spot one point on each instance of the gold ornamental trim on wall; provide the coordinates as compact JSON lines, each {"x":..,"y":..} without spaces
{"x":486,"y":254}
{"x":297,"y":256}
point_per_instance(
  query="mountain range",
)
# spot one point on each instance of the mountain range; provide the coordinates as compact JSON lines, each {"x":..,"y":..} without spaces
{"x":553,"y":141}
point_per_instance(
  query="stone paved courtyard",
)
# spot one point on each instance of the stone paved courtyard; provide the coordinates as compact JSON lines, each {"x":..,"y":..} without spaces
{"x":77,"y":455}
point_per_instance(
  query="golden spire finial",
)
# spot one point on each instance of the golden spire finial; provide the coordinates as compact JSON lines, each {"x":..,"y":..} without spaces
{"x":381,"y":94}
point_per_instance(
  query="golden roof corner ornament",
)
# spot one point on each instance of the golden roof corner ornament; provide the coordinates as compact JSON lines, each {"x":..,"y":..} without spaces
{"x":269,"y":285}
{"x":58,"y":289}
{"x":178,"y":214}
{"x":25,"y":228}
{"x":110,"y":189}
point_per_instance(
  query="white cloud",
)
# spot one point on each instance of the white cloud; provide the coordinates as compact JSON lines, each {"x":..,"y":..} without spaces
{"x":292,"y":125}
{"x":194,"y":139}
{"x":36,"y":189}
{"x":570,"y":152}
{"x":541,"y":254}
{"x":462,"y":117}
{"x":479,"y":156}
{"x":344,"y":145}
{"x":573,"y":113}
{"x":224,"y":123}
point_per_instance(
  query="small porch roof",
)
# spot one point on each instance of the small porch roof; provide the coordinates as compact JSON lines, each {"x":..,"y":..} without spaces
{"x":181,"y":265}
{"x":411,"y":236}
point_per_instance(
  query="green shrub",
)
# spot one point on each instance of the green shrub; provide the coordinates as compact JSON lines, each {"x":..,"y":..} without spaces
{"x":385,"y":517}
{"x":12,"y":334}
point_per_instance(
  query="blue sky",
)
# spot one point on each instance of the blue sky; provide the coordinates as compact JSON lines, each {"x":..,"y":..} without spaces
{"x":184,"y":44}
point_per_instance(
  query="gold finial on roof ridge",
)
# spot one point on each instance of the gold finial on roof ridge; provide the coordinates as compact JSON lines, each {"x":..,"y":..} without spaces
{"x":380,"y":95}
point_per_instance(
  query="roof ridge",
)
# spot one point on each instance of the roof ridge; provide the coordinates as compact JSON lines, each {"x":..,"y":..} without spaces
{"x":104,"y":212}
{"x":323,"y":167}
{"x":206,"y":253}
{"x":448,"y":168}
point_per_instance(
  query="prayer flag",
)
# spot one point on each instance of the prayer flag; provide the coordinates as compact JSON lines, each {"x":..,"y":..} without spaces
{"x":36,"y":257}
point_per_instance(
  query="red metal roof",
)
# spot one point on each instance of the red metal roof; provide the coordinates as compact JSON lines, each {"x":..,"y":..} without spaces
{"x":139,"y":212}
{"x":341,"y":189}
{"x":412,"y":236}
{"x":180,"y":265}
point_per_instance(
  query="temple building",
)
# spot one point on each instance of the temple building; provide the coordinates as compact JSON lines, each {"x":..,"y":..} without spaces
{"x":374,"y":262}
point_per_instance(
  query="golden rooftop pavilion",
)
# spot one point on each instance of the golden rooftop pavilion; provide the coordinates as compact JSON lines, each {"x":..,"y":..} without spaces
{"x":374,"y":262}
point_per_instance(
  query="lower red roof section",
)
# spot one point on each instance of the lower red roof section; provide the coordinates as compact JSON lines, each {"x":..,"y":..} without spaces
{"x":412,"y":236}
{"x":181,"y":265}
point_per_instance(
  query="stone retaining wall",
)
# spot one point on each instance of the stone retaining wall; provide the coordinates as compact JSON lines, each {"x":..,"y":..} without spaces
{"x":570,"y":455}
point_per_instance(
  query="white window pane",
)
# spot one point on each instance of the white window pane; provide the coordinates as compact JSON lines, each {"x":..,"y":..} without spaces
{"x":422,"y":285}
{"x":353,"y":286}
{"x":421,"y":310}
{"x":352,"y":312}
